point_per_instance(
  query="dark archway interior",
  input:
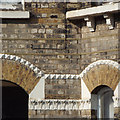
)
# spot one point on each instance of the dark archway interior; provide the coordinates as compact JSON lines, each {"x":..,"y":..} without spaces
{"x":98,"y":88}
{"x":102,"y":102}
{"x":14,"y":101}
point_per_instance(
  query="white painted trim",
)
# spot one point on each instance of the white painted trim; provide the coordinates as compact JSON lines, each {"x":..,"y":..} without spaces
{"x":116,"y":101}
{"x":39,"y":91}
{"x":90,"y":21}
{"x":117,"y":96}
{"x":61,"y":76}
{"x":59,"y":104}
{"x":23,"y":4}
{"x":62,"y":104}
{"x":15,"y":14}
{"x":93,"y":11}
{"x":109,"y":20}
{"x":7,"y":6}
{"x":85,"y":94}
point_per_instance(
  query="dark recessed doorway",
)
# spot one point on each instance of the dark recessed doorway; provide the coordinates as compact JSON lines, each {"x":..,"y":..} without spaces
{"x":102,"y":101}
{"x":14,"y":101}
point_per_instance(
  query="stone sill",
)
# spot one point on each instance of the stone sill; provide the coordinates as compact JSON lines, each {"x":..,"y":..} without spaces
{"x":14,"y":14}
{"x":93,"y":11}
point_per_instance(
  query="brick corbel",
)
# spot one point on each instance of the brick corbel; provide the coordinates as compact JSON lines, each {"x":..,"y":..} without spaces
{"x":109,"y":20}
{"x":90,"y":22}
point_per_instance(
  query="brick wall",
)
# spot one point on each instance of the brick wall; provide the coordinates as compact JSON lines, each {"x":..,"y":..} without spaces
{"x":60,"y":114}
{"x":101,"y":44}
{"x":48,"y":41}
{"x":57,"y":45}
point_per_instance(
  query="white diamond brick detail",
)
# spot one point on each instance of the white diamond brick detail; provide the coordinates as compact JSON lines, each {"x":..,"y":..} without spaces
{"x":22,"y":61}
{"x":63,"y":104}
{"x":100,"y":62}
{"x":39,"y":73}
{"x":59,"y":104}
{"x":87,"y":69}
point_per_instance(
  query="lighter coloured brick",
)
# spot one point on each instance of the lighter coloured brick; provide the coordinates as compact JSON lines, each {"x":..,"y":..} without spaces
{"x":41,"y":31}
{"x":33,"y":30}
{"x":49,"y":31}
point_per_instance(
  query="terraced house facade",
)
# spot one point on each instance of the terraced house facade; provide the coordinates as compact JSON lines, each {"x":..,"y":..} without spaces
{"x":60,"y":59}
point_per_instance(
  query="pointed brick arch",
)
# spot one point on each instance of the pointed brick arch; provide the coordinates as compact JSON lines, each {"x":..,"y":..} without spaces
{"x":19,"y":71}
{"x":102,"y":72}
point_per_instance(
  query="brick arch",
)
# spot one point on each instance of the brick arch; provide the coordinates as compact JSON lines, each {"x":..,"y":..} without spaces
{"x":19,"y":71}
{"x":101,"y":72}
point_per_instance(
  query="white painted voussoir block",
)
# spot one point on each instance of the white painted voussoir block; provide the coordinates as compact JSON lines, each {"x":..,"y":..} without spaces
{"x":6,"y":56}
{"x":52,"y":76}
{"x":32,"y":66}
{"x":22,"y":61}
{"x":1,"y":55}
{"x":17,"y":58}
{"x":27,"y":63}
{"x":67,"y":76}
{"x":40,"y":74}
{"x":63,"y":76}
{"x":12,"y":57}
{"x":57,"y":76}
{"x":36,"y":70}
{"x":47,"y":76}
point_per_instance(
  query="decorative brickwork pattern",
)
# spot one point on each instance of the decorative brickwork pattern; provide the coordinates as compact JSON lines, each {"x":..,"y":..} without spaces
{"x":20,"y":71}
{"x":102,"y":72}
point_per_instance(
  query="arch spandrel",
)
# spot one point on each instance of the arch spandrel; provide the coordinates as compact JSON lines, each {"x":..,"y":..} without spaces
{"x":105,"y":73}
{"x":20,"y":71}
